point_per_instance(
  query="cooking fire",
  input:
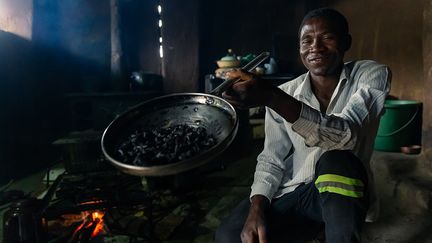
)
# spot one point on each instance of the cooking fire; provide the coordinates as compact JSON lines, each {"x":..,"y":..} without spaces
{"x":92,"y":224}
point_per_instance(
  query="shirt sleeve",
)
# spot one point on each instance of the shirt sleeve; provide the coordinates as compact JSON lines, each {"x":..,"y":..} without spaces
{"x":340,"y":131}
{"x":270,"y":162}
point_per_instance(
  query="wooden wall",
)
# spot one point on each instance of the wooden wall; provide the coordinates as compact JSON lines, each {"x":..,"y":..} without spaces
{"x":140,"y":36}
{"x":197,"y":33}
{"x":65,"y":48}
{"x":399,"y":34}
{"x":180,"y":65}
{"x":396,"y":33}
{"x":427,"y":76}
{"x":51,"y":48}
{"x":252,"y":27}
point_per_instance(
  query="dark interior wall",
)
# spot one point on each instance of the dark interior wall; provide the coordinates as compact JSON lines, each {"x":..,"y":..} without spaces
{"x":427,"y":74}
{"x":197,"y":33}
{"x":52,"y":48}
{"x":67,"y":50}
{"x":252,"y":27}
{"x":398,"y":34}
{"x":180,"y":32}
{"x":75,"y":37}
{"x":389,"y":32}
{"x":140,"y":36}
{"x":70,"y":40}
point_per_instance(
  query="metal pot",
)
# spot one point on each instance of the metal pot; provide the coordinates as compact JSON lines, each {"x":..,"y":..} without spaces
{"x":213,"y":113}
{"x":23,"y":222}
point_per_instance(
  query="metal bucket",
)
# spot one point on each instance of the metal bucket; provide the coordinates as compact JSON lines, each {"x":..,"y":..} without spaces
{"x":400,"y":126}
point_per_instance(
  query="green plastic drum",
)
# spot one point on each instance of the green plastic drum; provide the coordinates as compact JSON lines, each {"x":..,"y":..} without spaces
{"x":400,"y":126}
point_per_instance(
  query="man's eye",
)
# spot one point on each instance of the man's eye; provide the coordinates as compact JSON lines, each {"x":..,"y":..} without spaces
{"x":328,"y":37}
{"x":306,"y":41}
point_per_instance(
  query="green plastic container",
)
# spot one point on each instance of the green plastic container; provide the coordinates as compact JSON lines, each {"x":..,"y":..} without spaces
{"x":400,"y":126}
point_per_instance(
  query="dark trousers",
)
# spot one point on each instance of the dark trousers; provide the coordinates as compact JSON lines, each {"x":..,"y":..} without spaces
{"x":336,"y":200}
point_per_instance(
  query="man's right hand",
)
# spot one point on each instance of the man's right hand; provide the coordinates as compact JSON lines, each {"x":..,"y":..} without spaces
{"x":255,"y":226}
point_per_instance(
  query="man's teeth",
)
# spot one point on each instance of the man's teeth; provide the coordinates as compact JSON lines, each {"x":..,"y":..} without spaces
{"x":316,"y":60}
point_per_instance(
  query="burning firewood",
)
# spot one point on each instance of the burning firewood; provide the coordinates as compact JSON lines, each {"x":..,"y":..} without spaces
{"x":91,"y":227}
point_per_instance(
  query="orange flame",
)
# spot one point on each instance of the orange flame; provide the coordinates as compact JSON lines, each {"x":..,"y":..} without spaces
{"x":90,"y":218}
{"x":98,"y":219}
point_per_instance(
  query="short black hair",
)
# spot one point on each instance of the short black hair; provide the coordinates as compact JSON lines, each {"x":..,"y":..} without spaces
{"x":333,"y":16}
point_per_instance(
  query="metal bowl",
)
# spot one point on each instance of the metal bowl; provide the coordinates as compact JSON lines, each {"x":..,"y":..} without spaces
{"x":213,"y":113}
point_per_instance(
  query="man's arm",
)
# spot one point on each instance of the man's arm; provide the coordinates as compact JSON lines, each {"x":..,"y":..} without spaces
{"x":341,"y":131}
{"x":251,"y":92}
{"x":325,"y":131}
{"x":255,"y":227}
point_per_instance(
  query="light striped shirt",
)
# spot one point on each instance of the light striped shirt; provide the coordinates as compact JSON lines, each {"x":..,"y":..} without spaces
{"x":350,"y":123}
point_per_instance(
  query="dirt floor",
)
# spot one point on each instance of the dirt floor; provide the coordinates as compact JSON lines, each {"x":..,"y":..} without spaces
{"x":194,"y":203}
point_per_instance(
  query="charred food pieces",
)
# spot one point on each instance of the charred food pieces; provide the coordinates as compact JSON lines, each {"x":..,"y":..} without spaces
{"x":164,"y":145}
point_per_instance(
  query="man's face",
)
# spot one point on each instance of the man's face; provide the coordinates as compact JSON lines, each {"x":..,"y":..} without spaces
{"x":321,"y":47}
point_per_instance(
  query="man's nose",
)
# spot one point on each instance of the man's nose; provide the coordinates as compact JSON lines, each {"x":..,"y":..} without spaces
{"x":316,"y":45}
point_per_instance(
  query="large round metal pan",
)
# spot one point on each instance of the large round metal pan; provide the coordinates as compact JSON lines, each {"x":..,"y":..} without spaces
{"x":213,"y":113}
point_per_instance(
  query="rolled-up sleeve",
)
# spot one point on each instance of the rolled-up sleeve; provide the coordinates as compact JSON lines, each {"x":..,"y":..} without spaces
{"x":340,"y":131}
{"x":270,"y":162}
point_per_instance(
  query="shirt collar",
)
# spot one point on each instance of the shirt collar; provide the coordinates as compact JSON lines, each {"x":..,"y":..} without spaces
{"x":304,"y":90}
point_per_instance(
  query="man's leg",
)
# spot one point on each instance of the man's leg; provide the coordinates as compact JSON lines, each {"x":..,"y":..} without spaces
{"x":283,"y":221}
{"x":341,"y":183}
{"x":288,"y":223}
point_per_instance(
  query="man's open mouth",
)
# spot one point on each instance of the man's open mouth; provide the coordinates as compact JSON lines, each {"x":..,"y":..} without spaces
{"x":316,"y":59}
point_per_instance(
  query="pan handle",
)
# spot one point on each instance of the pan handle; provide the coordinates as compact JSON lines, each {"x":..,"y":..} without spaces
{"x":249,"y":67}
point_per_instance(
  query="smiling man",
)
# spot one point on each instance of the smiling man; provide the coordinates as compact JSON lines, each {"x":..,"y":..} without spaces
{"x":320,"y":129}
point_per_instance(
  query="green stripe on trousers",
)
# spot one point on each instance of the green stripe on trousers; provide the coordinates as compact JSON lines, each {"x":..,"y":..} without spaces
{"x":341,"y":191}
{"x":338,"y":184}
{"x":339,"y":178}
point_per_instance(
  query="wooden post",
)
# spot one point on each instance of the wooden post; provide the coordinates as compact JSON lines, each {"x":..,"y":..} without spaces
{"x":180,"y":34}
{"x":116,"y":48}
{"x":427,"y":71}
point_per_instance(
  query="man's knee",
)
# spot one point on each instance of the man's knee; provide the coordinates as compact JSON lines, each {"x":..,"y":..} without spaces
{"x":342,"y":173}
{"x":340,"y":162}
{"x":334,"y":157}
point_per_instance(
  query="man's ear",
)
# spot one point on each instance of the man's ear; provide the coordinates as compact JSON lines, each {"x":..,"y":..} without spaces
{"x":348,"y":41}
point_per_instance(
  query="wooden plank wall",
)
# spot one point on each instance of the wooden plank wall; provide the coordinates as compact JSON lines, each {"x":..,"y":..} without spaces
{"x":427,"y":66}
{"x":407,"y":51}
{"x":196,"y":34}
{"x":180,"y":64}
{"x":252,"y":27}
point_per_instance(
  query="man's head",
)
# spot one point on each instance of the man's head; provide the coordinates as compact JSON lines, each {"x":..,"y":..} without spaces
{"x":324,"y":39}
